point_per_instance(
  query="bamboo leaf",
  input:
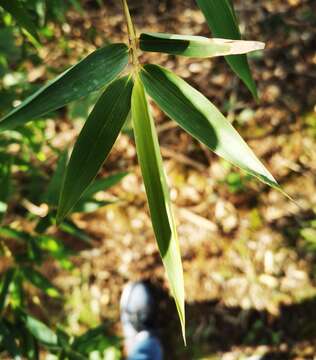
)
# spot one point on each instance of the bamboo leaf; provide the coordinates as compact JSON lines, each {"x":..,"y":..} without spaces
{"x":199,"y":117}
{"x":53,"y":245}
{"x":87,"y":203}
{"x":157,"y":193}
{"x":72,"y":229}
{"x":51,"y":195}
{"x":95,"y":339}
{"x":40,"y":331}
{"x":40,"y":281}
{"x":95,"y":142}
{"x":7,"y":278}
{"x":195,"y":46}
{"x":88,"y":206}
{"x":5,"y":186}
{"x":92,"y":73}
{"x":103,"y":184}
{"x":21,"y":15}
{"x":221,"y":18}
{"x":8,"y":233}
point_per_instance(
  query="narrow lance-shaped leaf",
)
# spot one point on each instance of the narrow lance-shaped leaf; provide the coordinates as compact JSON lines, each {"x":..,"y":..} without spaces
{"x":89,"y":206}
{"x":51,"y":195}
{"x":40,"y":281}
{"x":91,"y":74}
{"x":5,"y":187}
{"x":195,"y":46}
{"x":72,"y":229}
{"x":199,"y":117}
{"x":7,"y":278}
{"x":40,"y":331}
{"x":157,"y":194}
{"x":95,"y":142}
{"x":222,"y":21}
{"x":21,"y":15}
{"x":88,"y":203}
{"x":103,"y":184}
{"x":9,"y":233}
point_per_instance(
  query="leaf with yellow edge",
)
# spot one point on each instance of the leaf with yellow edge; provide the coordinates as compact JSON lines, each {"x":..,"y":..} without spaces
{"x":157,"y":193}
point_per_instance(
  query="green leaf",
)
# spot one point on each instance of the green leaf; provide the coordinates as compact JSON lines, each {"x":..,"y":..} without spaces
{"x":103,"y":184}
{"x":17,"y":296}
{"x":87,"y":203}
{"x":51,"y":195}
{"x":92,"y":73}
{"x":28,"y":343}
{"x":8,"y":341}
{"x":88,"y":206}
{"x":34,"y":253}
{"x":222,"y":21}
{"x":40,"y":331}
{"x":9,"y":233}
{"x":21,"y":15}
{"x":72,"y":229}
{"x":53,"y":246}
{"x":7,"y":278}
{"x":195,"y":46}
{"x":5,"y":186}
{"x":88,"y":336}
{"x":95,"y":339}
{"x":40,"y":281}
{"x":199,"y":117}
{"x":95,"y":142}
{"x":157,"y":193}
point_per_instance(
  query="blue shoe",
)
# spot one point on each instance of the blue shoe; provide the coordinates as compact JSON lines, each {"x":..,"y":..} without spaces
{"x":138,"y":310}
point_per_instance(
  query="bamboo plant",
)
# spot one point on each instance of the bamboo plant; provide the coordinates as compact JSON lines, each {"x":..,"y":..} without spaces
{"x":129,"y":93}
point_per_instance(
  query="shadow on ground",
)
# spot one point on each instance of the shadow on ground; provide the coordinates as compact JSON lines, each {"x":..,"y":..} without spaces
{"x":213,"y":328}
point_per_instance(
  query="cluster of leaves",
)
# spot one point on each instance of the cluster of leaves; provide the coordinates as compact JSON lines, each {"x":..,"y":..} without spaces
{"x":122,"y":95}
{"x":27,"y":189}
{"x":24,"y":253}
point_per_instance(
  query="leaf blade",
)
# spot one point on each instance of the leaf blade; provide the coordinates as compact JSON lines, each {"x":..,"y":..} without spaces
{"x":40,"y":331}
{"x":51,"y":194}
{"x":103,"y":184}
{"x":198,"y":116}
{"x":95,"y":142}
{"x":7,"y":278}
{"x":222,"y":20}
{"x":90,"y":74}
{"x":195,"y":46}
{"x":157,"y":193}
{"x":40,"y":281}
{"x":5,"y":187}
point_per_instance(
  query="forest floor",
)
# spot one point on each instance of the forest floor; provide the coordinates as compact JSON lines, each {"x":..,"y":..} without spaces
{"x":248,"y":252}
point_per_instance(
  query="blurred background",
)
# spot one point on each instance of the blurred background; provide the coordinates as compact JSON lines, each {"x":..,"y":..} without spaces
{"x":249,"y":254}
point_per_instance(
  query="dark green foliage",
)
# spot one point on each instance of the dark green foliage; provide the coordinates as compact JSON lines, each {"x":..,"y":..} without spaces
{"x":221,"y":18}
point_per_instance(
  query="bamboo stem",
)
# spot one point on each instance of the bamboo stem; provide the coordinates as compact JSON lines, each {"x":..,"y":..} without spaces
{"x":132,"y":38}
